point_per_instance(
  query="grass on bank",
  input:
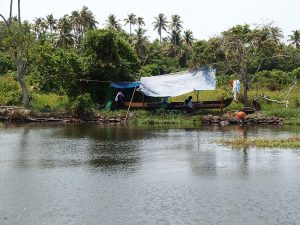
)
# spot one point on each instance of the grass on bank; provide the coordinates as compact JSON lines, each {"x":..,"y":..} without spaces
{"x":157,"y":117}
{"x":49,"y":103}
{"x":293,"y":142}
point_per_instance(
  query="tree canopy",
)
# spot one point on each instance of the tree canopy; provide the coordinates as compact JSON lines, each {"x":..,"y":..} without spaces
{"x":72,"y":55}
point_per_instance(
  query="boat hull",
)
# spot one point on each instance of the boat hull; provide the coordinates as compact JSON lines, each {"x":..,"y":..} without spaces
{"x":218,"y":104}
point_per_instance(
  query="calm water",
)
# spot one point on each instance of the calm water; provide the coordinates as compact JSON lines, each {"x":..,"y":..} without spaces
{"x":92,"y":174}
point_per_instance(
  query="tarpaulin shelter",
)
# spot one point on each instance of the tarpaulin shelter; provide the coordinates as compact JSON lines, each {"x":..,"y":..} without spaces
{"x":175,"y":84}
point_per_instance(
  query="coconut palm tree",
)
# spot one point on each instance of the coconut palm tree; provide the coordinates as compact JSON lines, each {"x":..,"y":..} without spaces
{"x":113,"y":23}
{"x":295,"y":38}
{"x":140,"y":22}
{"x":276,"y":33}
{"x":51,"y":21}
{"x":76,"y":22}
{"x":140,"y":42}
{"x":185,"y":48}
{"x":160,"y":24}
{"x":175,"y":26}
{"x":44,"y":25}
{"x":131,"y":20}
{"x":87,"y":19}
{"x":65,"y":37}
{"x":82,"y":21}
{"x":37,"y":26}
{"x":175,"y":23}
{"x":188,"y":37}
{"x":173,"y":43}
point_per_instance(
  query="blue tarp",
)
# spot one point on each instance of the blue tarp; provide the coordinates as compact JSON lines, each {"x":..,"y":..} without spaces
{"x":123,"y":85}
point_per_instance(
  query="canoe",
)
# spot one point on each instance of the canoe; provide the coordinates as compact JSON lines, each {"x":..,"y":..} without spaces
{"x":143,"y":105}
{"x":217,"y":104}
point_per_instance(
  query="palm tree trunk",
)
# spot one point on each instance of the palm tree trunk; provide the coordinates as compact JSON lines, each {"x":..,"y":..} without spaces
{"x":19,"y":12}
{"x":10,"y":11}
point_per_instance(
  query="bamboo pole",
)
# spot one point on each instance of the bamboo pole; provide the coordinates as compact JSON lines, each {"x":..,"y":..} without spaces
{"x":126,"y":118}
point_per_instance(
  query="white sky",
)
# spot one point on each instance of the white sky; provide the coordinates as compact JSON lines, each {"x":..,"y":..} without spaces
{"x":204,"y":18}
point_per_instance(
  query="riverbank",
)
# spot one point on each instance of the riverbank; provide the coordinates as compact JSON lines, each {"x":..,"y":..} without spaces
{"x":286,"y":116}
{"x":137,"y":117}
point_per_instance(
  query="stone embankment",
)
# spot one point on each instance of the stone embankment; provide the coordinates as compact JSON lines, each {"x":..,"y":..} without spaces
{"x":250,"y":119}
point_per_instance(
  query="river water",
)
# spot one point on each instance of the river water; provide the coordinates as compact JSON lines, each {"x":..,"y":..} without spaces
{"x":95,"y":174}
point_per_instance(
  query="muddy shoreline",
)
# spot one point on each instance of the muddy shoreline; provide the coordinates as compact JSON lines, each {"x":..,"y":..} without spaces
{"x":21,"y":114}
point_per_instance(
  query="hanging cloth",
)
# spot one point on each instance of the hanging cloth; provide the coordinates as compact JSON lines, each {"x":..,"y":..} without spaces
{"x":236,"y":88}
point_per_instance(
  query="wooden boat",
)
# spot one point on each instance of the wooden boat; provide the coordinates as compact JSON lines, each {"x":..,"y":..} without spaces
{"x":217,"y":104}
{"x":248,"y":110}
{"x":143,"y":105}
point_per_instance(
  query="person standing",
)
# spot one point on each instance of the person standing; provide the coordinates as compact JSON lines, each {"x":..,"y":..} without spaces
{"x":119,"y":100}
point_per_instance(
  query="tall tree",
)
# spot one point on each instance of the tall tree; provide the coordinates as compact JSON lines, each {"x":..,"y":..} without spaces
{"x":65,"y":38}
{"x":18,"y":41}
{"x":140,"y":22}
{"x":172,"y":46}
{"x":140,"y":42}
{"x":160,"y":24}
{"x":88,"y":19}
{"x":188,"y":37}
{"x":131,"y":20}
{"x":175,"y":26}
{"x":175,"y":23}
{"x":239,"y":49}
{"x":113,"y":23}
{"x":76,"y":23}
{"x":82,"y":21}
{"x":51,"y":21}
{"x":186,"y":47}
{"x":37,"y":27}
{"x":295,"y":38}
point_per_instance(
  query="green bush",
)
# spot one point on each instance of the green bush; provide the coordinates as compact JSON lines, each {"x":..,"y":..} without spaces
{"x":6,"y":63}
{"x":83,"y":106}
{"x":49,"y":102}
{"x":10,"y":91}
{"x":295,"y":73}
{"x":274,"y":80}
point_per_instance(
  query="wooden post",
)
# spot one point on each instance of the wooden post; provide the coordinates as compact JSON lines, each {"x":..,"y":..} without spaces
{"x":222,"y":103}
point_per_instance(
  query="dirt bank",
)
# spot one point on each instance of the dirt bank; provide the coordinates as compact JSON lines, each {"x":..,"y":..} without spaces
{"x":21,"y":114}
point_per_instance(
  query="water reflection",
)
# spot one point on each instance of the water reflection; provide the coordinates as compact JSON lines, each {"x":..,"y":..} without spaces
{"x":83,"y":174}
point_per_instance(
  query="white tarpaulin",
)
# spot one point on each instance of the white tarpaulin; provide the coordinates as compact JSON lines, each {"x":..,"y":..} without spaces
{"x":171,"y":85}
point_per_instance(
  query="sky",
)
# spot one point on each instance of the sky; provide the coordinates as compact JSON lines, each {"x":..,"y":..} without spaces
{"x":205,"y":18}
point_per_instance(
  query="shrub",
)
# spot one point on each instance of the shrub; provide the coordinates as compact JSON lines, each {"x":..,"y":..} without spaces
{"x":10,"y":91}
{"x":83,"y":106}
{"x":295,"y":73}
{"x":49,"y":102}
{"x":274,"y":80}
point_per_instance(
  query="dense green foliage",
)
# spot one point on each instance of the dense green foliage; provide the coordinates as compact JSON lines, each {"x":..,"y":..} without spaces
{"x":9,"y":91}
{"x":82,"y":106}
{"x":70,"y":56}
